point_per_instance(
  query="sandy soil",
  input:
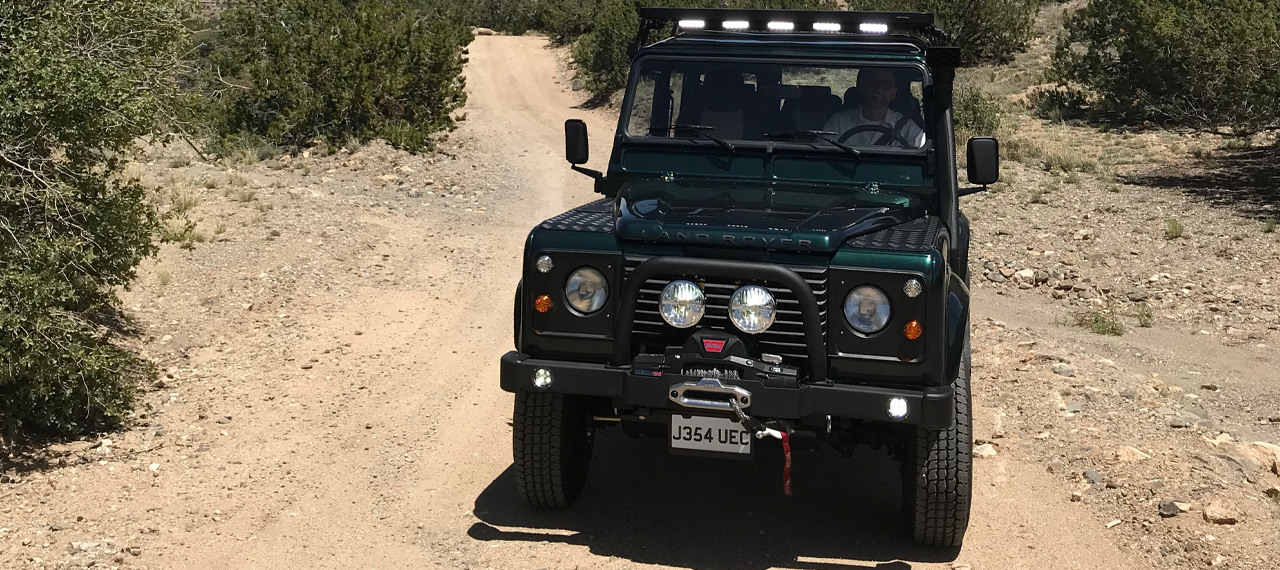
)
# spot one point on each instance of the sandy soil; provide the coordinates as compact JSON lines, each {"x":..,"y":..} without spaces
{"x":331,"y":398}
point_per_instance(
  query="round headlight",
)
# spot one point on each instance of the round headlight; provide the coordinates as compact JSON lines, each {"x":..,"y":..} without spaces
{"x":682,"y":304}
{"x":867,"y":309}
{"x":586,"y":290}
{"x":751,"y":308}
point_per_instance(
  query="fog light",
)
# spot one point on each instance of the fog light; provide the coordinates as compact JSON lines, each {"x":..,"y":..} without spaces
{"x":544,"y":264}
{"x":542,"y":304}
{"x":542,"y":381}
{"x":912,"y":330}
{"x":912,"y":288}
{"x":897,"y":406}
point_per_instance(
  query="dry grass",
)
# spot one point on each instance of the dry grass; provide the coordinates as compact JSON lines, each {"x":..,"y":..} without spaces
{"x":181,"y":203}
{"x":182,"y":232}
{"x":244,"y":195}
{"x":132,"y":172}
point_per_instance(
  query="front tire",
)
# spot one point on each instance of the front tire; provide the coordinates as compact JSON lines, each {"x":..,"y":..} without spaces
{"x":937,"y":470}
{"x":552,"y":437}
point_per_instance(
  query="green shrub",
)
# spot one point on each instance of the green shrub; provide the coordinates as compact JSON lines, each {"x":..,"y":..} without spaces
{"x":976,"y":113}
{"x":1194,"y":63}
{"x":294,"y":71}
{"x":985,"y":30}
{"x":80,"y":81}
{"x":1059,"y":103}
{"x":1173,"y":229}
{"x":1100,"y":322}
{"x":601,"y":55}
{"x":510,"y":16}
{"x":565,"y":20}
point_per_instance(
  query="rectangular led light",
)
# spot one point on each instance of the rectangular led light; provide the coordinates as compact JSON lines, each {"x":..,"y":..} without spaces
{"x":870,"y":28}
{"x":736,"y":24}
{"x":826,"y":27}
{"x":782,"y":26}
{"x":693,"y":24}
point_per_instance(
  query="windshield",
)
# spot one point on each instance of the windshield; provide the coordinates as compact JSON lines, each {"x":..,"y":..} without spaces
{"x":855,"y":106}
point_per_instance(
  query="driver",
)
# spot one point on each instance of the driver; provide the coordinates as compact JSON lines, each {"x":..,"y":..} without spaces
{"x":872,"y":122}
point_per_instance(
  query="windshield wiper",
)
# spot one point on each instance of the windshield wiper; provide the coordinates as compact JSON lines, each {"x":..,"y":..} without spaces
{"x":701,"y":130}
{"x":820,"y":135}
{"x":841,"y":202}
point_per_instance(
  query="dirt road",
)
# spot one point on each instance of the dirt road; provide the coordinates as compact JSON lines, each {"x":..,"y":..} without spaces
{"x":333,"y":398}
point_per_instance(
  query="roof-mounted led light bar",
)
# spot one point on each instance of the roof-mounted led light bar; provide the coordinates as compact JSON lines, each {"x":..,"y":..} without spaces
{"x":828,"y":21}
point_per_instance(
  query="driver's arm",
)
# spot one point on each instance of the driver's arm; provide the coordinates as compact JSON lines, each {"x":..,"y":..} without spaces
{"x":913,"y":134}
{"x":836,"y":124}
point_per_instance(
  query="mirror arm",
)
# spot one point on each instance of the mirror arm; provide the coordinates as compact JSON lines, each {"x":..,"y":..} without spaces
{"x":971,"y":190}
{"x":594,"y":174}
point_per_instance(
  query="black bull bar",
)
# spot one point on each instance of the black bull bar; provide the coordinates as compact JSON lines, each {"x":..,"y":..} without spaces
{"x":815,"y":346}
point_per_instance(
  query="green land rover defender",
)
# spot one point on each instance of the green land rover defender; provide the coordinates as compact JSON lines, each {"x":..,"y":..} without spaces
{"x":779,"y":254}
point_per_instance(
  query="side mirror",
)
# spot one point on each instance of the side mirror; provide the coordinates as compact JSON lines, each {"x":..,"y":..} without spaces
{"x":984,"y":160}
{"x":576,"y":150}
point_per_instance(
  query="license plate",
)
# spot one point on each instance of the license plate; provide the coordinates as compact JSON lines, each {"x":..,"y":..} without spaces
{"x":702,"y":433}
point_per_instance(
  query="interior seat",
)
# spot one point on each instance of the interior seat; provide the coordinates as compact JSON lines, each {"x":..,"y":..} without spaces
{"x":810,"y":111}
{"x":728,"y":104}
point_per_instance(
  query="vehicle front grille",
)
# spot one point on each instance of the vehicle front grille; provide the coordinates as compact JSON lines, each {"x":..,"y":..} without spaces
{"x":785,"y":338}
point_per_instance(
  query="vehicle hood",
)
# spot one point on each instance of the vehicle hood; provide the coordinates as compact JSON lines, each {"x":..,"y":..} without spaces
{"x":756,"y":215}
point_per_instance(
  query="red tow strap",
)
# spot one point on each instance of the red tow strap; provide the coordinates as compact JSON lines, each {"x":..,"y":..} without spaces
{"x":786,"y":465}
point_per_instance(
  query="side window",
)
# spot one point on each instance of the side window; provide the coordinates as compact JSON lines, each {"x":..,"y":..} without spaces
{"x":656,"y":103}
{"x":642,"y":106}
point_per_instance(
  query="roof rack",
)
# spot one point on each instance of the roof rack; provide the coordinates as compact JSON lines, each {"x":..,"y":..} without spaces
{"x":793,"y":21}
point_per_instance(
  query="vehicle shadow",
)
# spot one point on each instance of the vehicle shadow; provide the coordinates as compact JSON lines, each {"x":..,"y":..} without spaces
{"x":648,"y":506}
{"x":1248,"y":181}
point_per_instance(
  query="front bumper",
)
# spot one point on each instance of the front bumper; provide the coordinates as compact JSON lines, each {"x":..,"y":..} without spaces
{"x":932,"y":408}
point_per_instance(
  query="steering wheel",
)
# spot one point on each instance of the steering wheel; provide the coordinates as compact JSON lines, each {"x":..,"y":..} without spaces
{"x":891,"y":135}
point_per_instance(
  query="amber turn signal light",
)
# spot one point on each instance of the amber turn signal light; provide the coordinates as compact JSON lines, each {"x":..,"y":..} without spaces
{"x":543,"y":304}
{"x":912,"y":330}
